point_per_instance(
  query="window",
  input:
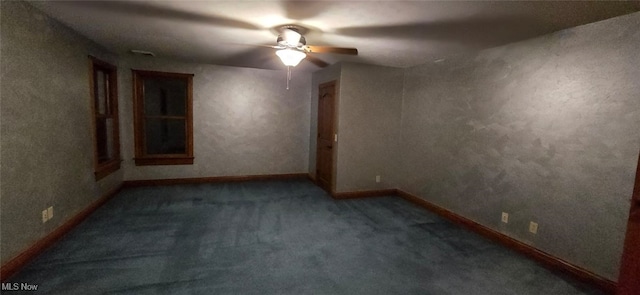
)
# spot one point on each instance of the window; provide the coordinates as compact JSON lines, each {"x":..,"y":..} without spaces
{"x":104,"y":105}
{"x":163,"y":119}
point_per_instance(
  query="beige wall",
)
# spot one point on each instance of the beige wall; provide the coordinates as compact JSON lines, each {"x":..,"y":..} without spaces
{"x":245,"y":121}
{"x":46,"y":148}
{"x":368,"y":106}
{"x":546,"y":129}
{"x":368,"y":126}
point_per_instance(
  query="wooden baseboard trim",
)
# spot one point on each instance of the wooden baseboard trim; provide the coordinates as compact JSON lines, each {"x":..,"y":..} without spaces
{"x":15,"y":264}
{"x":312,"y":178}
{"x":214,"y":179}
{"x":544,"y":258}
{"x":364,"y":194}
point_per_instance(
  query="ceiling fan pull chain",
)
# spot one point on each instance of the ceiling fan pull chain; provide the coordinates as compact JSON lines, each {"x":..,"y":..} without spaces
{"x":288,"y":76}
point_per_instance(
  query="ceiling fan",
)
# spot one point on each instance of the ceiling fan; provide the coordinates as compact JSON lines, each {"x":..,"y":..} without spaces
{"x":292,"y":47}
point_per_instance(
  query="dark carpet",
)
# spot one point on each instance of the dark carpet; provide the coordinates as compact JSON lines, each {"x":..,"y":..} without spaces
{"x":278,"y":237}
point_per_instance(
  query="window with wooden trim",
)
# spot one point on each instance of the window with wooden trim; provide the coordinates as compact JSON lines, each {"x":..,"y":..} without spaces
{"x":104,"y":106}
{"x":163,"y":120}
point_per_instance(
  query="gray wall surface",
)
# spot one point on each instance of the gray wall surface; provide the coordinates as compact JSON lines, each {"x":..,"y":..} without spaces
{"x":245,"y":121}
{"x":46,"y":149}
{"x":368,"y":126}
{"x":546,"y":130}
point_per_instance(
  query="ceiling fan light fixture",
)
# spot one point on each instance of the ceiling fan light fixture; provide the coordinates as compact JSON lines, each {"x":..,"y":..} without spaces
{"x":290,"y":57}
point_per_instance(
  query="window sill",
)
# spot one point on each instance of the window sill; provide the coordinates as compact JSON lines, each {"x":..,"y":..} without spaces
{"x":149,"y":161}
{"x":107,"y":168}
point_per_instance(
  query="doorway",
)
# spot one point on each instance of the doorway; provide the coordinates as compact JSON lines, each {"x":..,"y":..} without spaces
{"x":326,"y":136}
{"x":629,"y":279}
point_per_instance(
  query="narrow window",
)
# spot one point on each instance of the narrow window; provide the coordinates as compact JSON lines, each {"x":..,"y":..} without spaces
{"x":104,"y":105}
{"x":163,"y":118}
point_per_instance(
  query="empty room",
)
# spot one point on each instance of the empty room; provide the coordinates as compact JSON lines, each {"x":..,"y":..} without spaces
{"x":320,"y":147}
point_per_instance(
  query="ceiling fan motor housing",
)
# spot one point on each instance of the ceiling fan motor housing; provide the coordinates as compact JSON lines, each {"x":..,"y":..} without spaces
{"x":282,"y":42}
{"x":282,"y":32}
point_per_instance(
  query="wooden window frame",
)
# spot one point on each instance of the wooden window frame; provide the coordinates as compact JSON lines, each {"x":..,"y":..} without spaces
{"x":141,"y":157}
{"x":102,"y":169}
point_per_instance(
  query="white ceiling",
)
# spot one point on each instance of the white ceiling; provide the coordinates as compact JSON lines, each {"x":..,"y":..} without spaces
{"x":389,"y":33}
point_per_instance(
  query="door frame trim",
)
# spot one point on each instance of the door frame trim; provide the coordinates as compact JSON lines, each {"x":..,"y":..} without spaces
{"x":625,"y":280}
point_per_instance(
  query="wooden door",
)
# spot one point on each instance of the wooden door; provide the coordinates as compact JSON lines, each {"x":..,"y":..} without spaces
{"x":326,"y":135}
{"x":629,"y":279}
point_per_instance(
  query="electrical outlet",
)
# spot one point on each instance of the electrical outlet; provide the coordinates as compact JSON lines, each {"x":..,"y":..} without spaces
{"x":505,"y":217}
{"x":377,"y":178}
{"x":533,"y":227}
{"x":45,"y":216}
{"x":50,"y":212}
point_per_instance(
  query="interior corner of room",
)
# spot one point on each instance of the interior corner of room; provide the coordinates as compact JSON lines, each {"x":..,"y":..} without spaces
{"x":545,"y":129}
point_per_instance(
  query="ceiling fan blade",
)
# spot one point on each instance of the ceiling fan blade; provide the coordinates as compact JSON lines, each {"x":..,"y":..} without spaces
{"x":302,"y":10}
{"x":255,"y":57}
{"x":467,"y":31}
{"x":152,"y":10}
{"x":513,"y":21}
{"x":331,"y":49}
{"x":316,"y":61}
{"x":258,"y":45}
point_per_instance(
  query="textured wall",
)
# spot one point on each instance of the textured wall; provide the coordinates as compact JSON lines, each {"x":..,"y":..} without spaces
{"x":546,"y":129}
{"x":368,"y":129}
{"x":46,"y":146}
{"x":245,"y":121}
{"x":327,"y":74}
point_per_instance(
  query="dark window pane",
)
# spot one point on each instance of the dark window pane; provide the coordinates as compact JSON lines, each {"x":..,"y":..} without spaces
{"x":165,"y":136}
{"x":110,"y":143}
{"x":164,"y":96}
{"x":104,"y":139}
{"x":101,"y":94}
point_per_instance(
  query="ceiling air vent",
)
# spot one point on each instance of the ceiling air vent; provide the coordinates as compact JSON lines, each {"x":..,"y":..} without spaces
{"x":142,"y":52}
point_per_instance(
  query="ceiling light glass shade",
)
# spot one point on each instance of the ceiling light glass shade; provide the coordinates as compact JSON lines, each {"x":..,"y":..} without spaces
{"x":290,"y":57}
